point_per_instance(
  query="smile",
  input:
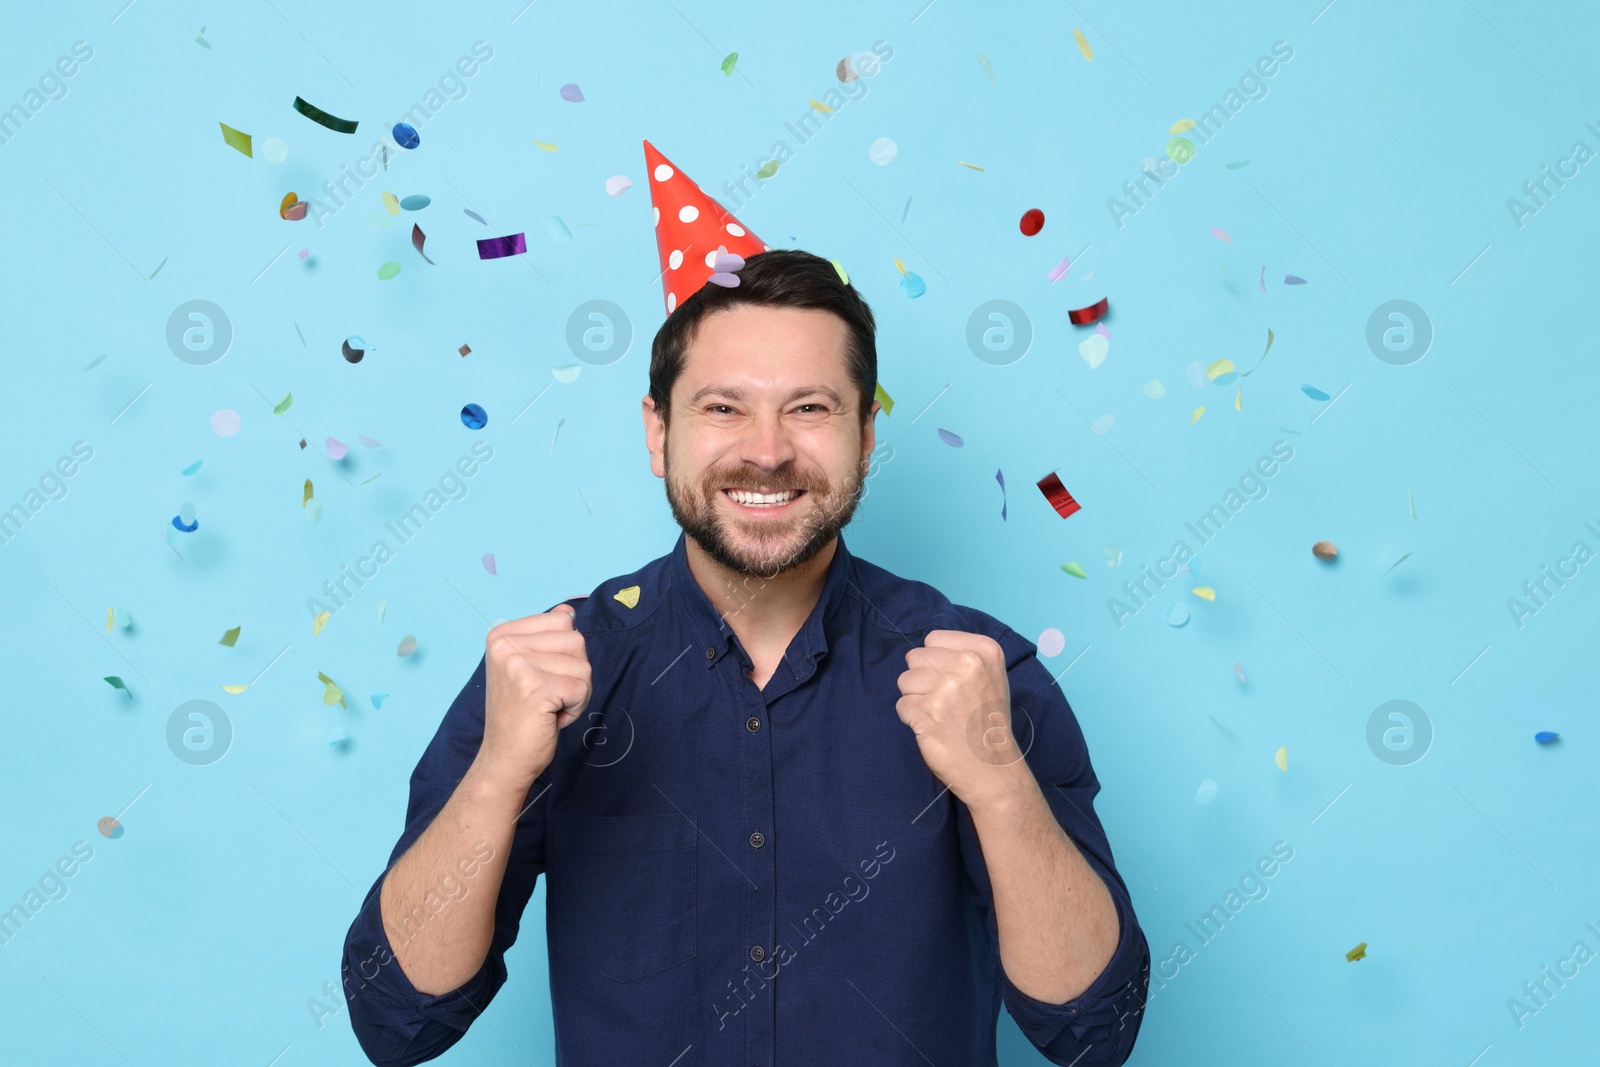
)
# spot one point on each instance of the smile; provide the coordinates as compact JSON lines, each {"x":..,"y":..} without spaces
{"x":763,"y":501}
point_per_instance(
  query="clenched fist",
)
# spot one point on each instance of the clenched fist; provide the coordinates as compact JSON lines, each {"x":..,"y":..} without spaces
{"x":536,"y":683}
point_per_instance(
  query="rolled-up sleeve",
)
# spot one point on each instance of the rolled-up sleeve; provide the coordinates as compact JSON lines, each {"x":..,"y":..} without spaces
{"x":394,"y":1023}
{"x":1100,"y":1024}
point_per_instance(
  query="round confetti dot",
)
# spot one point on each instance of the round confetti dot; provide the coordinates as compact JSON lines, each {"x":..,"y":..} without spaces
{"x":675,"y":260}
{"x":408,"y":645}
{"x":672,"y":301}
{"x":571,"y":93}
{"x":1206,"y":793}
{"x":618,"y":184}
{"x":1032,"y":222}
{"x":688,"y":213}
{"x":1180,"y":150}
{"x":109,"y":827}
{"x":882,"y":151}
{"x":845,"y":72}
{"x":474,"y":417}
{"x":663,"y":172}
{"x":225,"y":422}
{"x":1051,"y":642}
{"x":388,"y":270}
{"x":405,"y":136}
{"x":273,"y":150}
{"x":416,"y":202}
{"x":1177,"y":614}
{"x":304,"y":252}
{"x":734,"y":229}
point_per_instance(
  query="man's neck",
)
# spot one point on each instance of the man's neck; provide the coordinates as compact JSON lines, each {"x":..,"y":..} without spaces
{"x":765,"y":613}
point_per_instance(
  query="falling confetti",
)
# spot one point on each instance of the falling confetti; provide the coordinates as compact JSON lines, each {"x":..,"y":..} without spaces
{"x":728,"y":62}
{"x":1221,"y":234}
{"x":474,"y":215}
{"x":408,"y":645}
{"x":378,"y":699}
{"x":1207,"y":792}
{"x":881,"y":394}
{"x":322,"y":118}
{"x":1544,"y":737}
{"x":117,"y":683}
{"x":1085,"y":315}
{"x":1093,"y":349}
{"x":336,"y":448}
{"x":474,"y":417}
{"x":1176,"y":614}
{"x":230,"y":637}
{"x":1236,"y":166}
{"x":1001,"y":478}
{"x":571,"y":93}
{"x":1059,"y":271}
{"x":283,"y":405}
{"x":237,"y":139}
{"x":320,"y":621}
{"x":1204,"y":592}
{"x":1194,"y":416}
{"x":953,"y":440}
{"x":1032,"y":222}
{"x":331,"y":693}
{"x":1281,"y":757}
{"x":108,"y":826}
{"x":500,"y":247}
{"x":1412,"y":497}
{"x":388,"y":270}
{"x":405,"y":136}
{"x":1313,"y":392}
{"x":1154,"y":389}
{"x":1325,"y":550}
{"x":1357,"y":953}
{"x":882,"y":151}
{"x":234,"y":689}
{"x":225,"y":422}
{"x":1083,"y":43}
{"x":1075,"y":569}
{"x":337,"y":737}
{"x":378,"y":606}
{"x":1238,"y":670}
{"x":618,"y":184}
{"x":1051,"y":642}
{"x":488,"y":562}
{"x":912,"y":284}
{"x":1397,"y":562}
{"x":1112,"y":555}
{"x":1060,"y":499}
{"x":628,"y":597}
{"x":969,"y":166}
{"x":1290,"y":279}
{"x":988,"y":68}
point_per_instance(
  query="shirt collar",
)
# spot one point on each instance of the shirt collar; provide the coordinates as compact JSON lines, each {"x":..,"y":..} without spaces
{"x":711,"y":630}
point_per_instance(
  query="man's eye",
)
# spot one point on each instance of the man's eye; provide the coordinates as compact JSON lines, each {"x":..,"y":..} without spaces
{"x":817,"y":407}
{"x":718,"y":408}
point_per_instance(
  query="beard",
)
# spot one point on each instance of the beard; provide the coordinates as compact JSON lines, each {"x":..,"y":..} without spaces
{"x":762,"y":548}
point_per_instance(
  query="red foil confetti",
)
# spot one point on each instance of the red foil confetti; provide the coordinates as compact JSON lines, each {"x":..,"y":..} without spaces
{"x":465,"y":350}
{"x":1050,"y":485}
{"x":1084,"y":316}
{"x":1032,"y":222}
{"x":417,"y":238}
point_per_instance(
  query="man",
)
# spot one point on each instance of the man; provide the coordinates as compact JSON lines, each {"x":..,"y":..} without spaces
{"x":814,"y":814}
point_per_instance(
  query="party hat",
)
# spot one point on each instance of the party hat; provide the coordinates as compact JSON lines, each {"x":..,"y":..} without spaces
{"x":691,"y":230}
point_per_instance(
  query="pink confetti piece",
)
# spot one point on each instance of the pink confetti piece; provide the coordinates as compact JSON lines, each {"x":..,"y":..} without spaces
{"x":225,"y":422}
{"x":1059,"y":271}
{"x":488,"y":562}
{"x":336,"y":448}
{"x":1238,"y":668}
{"x":1221,"y":234}
{"x":951,"y":439}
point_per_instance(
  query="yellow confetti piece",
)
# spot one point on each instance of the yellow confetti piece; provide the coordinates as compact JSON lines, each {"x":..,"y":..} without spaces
{"x":320,"y":621}
{"x":306,"y":494}
{"x":988,"y":68}
{"x":824,"y":108}
{"x":1181,"y":125}
{"x":111,"y":613}
{"x":1238,"y":398}
{"x":1282,"y":757}
{"x":1219,"y":368}
{"x":1357,"y":953}
{"x":1204,"y":592}
{"x":628,"y":596}
{"x":881,"y":395}
{"x":1083,"y":43}
{"x":1194,"y":418}
{"x":235,"y":689}
{"x":839,"y":268}
{"x":236,"y":139}
{"x":545,"y":146}
{"x":391,"y":203}
{"x":899,"y":265}
{"x":331,"y":693}
{"x":970,"y":166}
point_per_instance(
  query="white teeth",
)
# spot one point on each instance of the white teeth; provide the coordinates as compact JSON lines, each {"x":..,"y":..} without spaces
{"x":761,"y":499}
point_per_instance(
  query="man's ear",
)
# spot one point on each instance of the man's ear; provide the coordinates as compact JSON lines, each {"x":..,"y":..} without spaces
{"x":655,"y":436}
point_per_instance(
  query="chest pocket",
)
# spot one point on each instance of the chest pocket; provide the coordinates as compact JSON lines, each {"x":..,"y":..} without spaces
{"x":621,"y":892}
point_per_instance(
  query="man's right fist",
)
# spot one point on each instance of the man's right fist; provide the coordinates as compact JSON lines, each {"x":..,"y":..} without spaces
{"x":536,"y":681}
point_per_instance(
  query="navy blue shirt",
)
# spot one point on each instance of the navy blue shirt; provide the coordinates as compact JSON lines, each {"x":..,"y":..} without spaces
{"x":739,"y":876}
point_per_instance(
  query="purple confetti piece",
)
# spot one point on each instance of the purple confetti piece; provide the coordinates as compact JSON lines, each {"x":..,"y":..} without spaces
{"x":488,"y":562}
{"x":1059,"y":271}
{"x":473,"y":215}
{"x":501,"y":247}
{"x":336,"y":448}
{"x":727,"y":262}
{"x":950,"y":439}
{"x":1001,"y":478}
{"x":571,"y":93}
{"x":1102,"y":331}
{"x":727,"y":281}
{"x":1290,"y":279}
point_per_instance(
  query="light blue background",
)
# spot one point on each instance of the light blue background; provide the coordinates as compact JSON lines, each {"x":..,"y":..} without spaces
{"x":1380,"y":164}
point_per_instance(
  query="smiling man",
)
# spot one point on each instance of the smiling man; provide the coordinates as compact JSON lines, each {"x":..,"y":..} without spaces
{"x":774,"y":730}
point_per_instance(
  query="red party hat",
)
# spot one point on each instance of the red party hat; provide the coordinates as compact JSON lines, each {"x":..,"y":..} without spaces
{"x":690,"y":228}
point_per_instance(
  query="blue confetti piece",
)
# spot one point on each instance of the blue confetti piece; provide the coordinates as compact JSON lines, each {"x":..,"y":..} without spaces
{"x":405,"y":136}
{"x":1313,"y":392}
{"x":177,"y":521}
{"x":191,"y":468}
{"x":474,"y":417}
{"x":953,"y":440}
{"x":416,"y":202}
{"x":473,"y":215}
{"x":378,"y":699}
{"x":1544,"y":737}
{"x":912,"y":285}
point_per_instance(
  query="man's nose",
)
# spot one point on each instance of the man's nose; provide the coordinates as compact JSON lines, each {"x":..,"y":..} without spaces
{"x":766,"y":442}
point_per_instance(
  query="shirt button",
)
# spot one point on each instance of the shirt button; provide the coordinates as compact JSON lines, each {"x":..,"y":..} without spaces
{"x":752,"y":724}
{"x":758,"y":839}
{"x":710,"y":653}
{"x":758,"y":953}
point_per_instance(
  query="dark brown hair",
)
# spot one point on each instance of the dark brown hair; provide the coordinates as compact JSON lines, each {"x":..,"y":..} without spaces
{"x":781,"y":277}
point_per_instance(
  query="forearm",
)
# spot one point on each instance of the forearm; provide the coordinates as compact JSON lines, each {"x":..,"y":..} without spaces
{"x":441,"y":945}
{"x":1057,"y":922}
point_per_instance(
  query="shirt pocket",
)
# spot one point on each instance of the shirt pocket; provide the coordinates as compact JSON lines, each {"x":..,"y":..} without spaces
{"x":621,"y":890}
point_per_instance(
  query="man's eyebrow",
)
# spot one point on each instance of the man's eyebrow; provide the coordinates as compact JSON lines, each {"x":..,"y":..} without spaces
{"x":734,"y":392}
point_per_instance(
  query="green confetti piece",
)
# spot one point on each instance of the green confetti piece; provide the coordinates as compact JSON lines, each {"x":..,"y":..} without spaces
{"x":230,"y":637}
{"x":117,"y":683}
{"x":331,"y":693}
{"x":322,"y":118}
{"x":284,"y":404}
{"x":881,"y":395}
{"x":237,"y":139}
{"x":839,"y":269}
{"x":1074,"y":569}
{"x":768,"y":169}
{"x":1399,"y":561}
{"x":729,"y":61}
{"x":388,"y":270}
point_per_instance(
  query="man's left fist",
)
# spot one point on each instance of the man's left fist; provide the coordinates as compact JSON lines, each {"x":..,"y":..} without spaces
{"x":956,"y":698}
